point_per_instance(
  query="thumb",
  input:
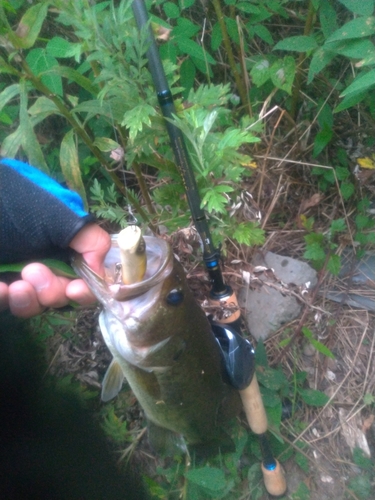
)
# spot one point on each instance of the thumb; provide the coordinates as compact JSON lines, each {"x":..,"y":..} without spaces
{"x":93,"y":243}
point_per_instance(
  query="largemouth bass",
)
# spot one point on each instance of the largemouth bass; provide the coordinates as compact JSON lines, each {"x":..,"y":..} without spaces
{"x":162,"y":342}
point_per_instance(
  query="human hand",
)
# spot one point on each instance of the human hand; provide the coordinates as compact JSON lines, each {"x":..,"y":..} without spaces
{"x":40,"y":288}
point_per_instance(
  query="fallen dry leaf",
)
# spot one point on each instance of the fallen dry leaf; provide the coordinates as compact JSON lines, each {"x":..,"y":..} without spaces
{"x":314,"y":200}
{"x":367,"y":423}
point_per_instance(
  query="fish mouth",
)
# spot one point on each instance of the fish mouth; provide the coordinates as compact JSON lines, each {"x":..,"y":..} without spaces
{"x":159,"y":266}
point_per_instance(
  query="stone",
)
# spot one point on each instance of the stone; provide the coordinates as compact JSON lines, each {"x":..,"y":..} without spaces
{"x":267,"y":309}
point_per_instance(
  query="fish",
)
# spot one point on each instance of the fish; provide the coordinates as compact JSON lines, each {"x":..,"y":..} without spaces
{"x":163,"y":345}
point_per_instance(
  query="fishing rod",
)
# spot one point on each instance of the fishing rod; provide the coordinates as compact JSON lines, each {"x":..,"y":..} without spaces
{"x":248,"y":386}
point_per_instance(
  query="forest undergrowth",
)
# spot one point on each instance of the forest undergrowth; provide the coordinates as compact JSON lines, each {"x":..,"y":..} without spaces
{"x":275,"y":99}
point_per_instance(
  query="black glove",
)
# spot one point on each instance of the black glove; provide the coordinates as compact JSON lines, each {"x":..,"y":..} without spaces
{"x":38,"y":217}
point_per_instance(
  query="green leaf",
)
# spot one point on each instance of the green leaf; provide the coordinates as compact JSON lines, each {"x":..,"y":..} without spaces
{"x":303,"y":492}
{"x":8,"y":93}
{"x":297,"y":44}
{"x":362,"y":460}
{"x":274,"y":414}
{"x":357,"y":28}
{"x":43,"y":106}
{"x":334,"y":266}
{"x":347,"y":189}
{"x":271,"y":379}
{"x":7,"y":68}
{"x":185,"y":28}
{"x":187,"y":76}
{"x":350,"y":100}
{"x":338,"y":226}
{"x":185,"y":4}
{"x":261,"y":354}
{"x":314,"y":251}
{"x":261,"y":72}
{"x":61,"y":48}
{"x":39,"y":62}
{"x":5,"y":118}
{"x":318,"y":345}
{"x":342,"y":173}
{"x":319,"y":61}
{"x":57,"y":267}
{"x":362,"y":221}
{"x":115,"y":427}
{"x":363,"y":8}
{"x":360,"y":84}
{"x":322,"y":138}
{"x":135,"y":118}
{"x":328,"y":18}
{"x":282,"y":73}
{"x":70,"y":165}
{"x":30,"y":26}
{"x":302,"y":462}
{"x":248,"y":8}
{"x":75,"y":76}
{"x":216,"y":37}
{"x":270,"y":398}
{"x":232,"y":29}
{"x":355,"y":49}
{"x":106,"y":144}
{"x":11,"y":143}
{"x":315,"y":237}
{"x":325,"y":116}
{"x":361,"y":486}
{"x":211,"y":478}
{"x":29,"y":141}
{"x":191,"y":48}
{"x":214,"y":199}
{"x":263,"y":33}
{"x":249,"y":234}
{"x":368,"y":399}
{"x":171,"y":10}
{"x":313,"y":397}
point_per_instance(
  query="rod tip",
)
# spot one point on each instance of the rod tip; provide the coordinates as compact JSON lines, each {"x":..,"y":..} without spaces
{"x":274,"y":480}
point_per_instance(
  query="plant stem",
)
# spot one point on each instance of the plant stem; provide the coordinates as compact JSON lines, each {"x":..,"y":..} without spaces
{"x":143,"y":187}
{"x":232,"y":63}
{"x":298,"y":81}
{"x":138,"y":173}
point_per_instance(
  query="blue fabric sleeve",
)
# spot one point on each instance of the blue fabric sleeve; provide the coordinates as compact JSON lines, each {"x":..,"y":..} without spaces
{"x":38,"y":216}
{"x":71,"y":199}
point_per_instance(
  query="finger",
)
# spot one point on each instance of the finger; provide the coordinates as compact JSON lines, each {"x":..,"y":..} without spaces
{"x":78,"y":291}
{"x":50,"y":289}
{"x":23,"y":301}
{"x":93,"y":243}
{"x":4,"y":296}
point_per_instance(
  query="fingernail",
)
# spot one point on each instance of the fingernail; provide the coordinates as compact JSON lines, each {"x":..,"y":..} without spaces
{"x":38,"y":280}
{"x":19,"y":300}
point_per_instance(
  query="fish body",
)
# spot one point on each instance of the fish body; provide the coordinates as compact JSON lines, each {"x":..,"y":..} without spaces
{"x":163,"y":342}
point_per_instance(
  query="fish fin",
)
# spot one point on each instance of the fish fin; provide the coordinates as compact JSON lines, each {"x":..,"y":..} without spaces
{"x":112,"y":381}
{"x":165,"y":442}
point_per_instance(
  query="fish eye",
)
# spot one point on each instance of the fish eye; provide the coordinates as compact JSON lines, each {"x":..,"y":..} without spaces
{"x":175,"y":297}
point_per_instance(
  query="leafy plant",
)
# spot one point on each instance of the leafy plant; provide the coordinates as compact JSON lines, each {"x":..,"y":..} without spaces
{"x":362,"y":484}
{"x":114,"y":113}
{"x":320,"y":247}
